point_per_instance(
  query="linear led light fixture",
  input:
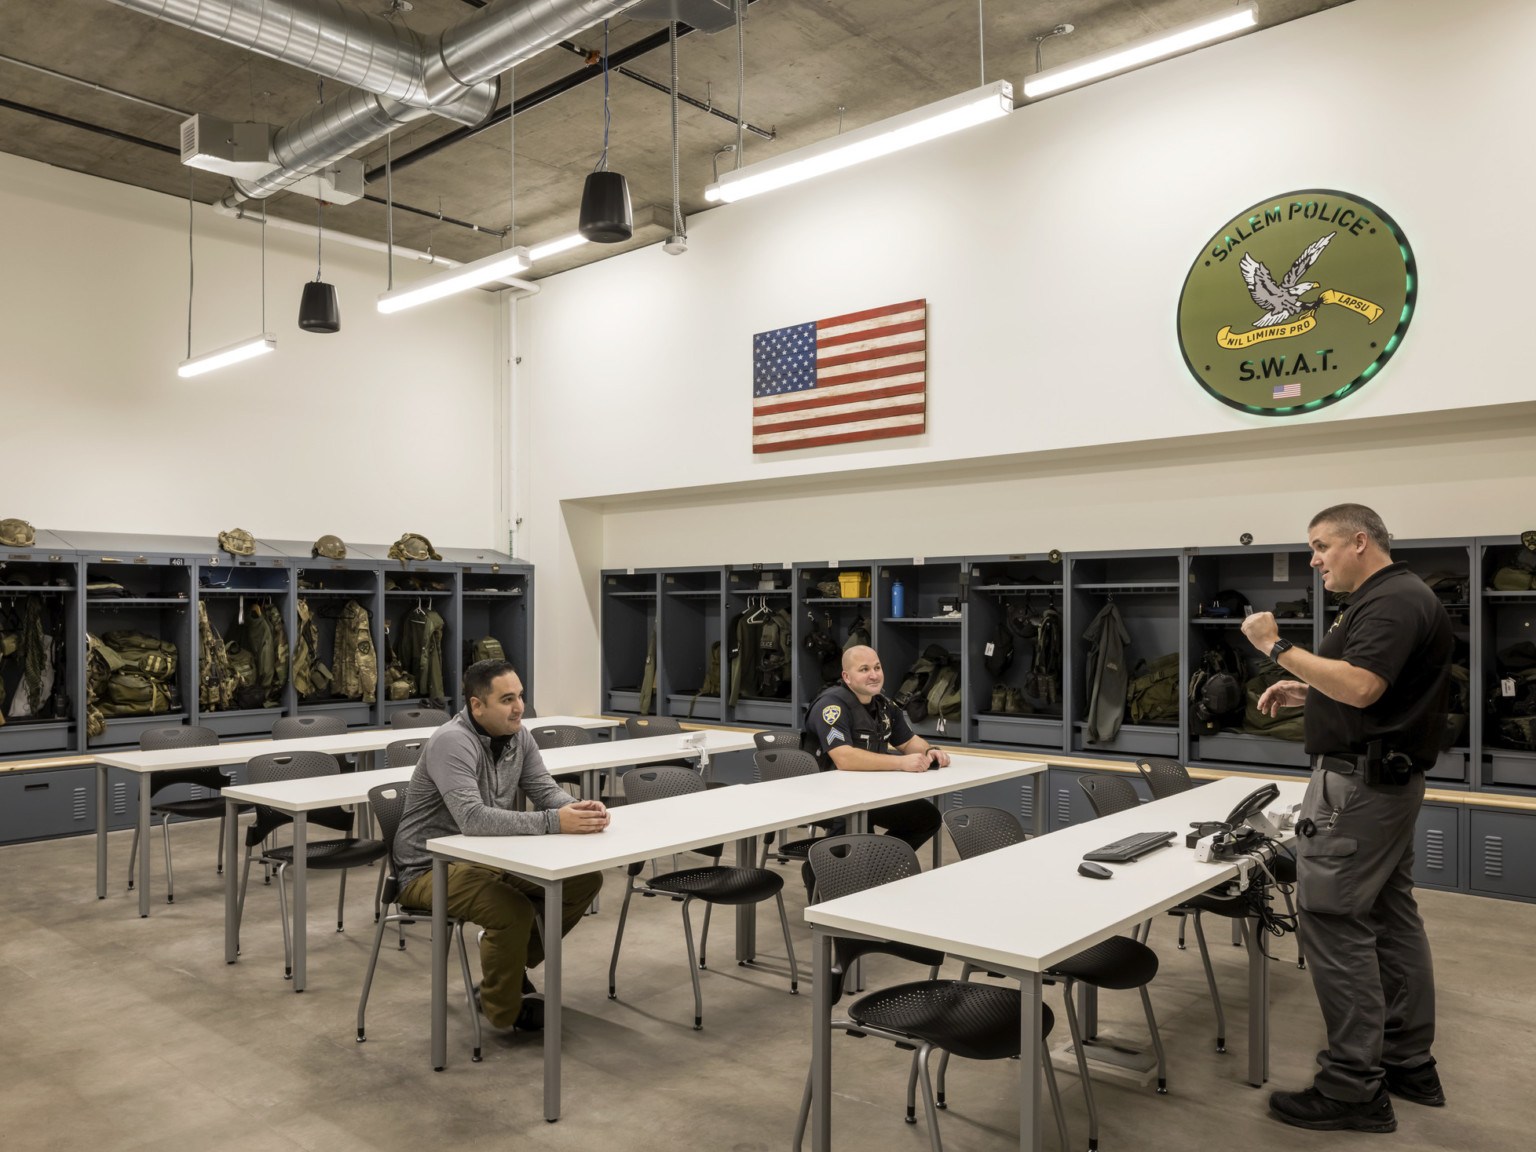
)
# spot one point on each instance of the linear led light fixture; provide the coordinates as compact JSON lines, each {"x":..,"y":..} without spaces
{"x":221,"y":357}
{"x":556,"y":246}
{"x":486,"y":270}
{"x":1143,"y":51}
{"x":977,"y":106}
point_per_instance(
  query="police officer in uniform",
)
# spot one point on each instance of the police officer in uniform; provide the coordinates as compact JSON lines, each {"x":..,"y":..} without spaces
{"x":851,"y":727}
{"x":1375,"y":694}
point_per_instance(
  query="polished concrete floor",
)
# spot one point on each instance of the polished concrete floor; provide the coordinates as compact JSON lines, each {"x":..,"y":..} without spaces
{"x":119,"y":1033}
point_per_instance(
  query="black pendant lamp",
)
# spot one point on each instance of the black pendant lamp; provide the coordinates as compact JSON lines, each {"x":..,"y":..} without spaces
{"x":606,"y":215}
{"x":318,"y":309}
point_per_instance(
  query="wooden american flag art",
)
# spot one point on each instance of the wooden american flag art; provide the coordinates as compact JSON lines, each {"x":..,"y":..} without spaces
{"x":863,"y":376}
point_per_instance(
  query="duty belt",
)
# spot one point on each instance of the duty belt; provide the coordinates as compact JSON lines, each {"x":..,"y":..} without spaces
{"x":1343,"y":765}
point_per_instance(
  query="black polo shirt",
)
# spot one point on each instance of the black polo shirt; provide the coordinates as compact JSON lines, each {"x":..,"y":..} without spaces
{"x":837,"y":719}
{"x":1395,"y":626}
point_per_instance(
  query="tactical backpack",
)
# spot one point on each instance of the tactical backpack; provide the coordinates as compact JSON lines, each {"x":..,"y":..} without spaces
{"x":148,"y":654}
{"x":1044,"y":680}
{"x":823,"y":647}
{"x":242,"y":668}
{"x":912,"y":696}
{"x":397,"y":681}
{"x":1520,"y":576}
{"x":131,"y":693}
{"x":486,"y":648}
{"x":101,"y":664}
{"x":264,"y":637}
{"x":1216,"y":691}
{"x":311,"y":678}
{"x":215,"y":684}
{"x":1287,"y":723}
{"x":355,"y":664}
{"x":1152,"y":697}
{"x":858,"y":636}
{"x":774,"y":653}
{"x":943,"y":698}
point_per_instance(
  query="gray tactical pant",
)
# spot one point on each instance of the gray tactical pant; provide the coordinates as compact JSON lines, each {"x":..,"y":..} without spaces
{"x":1364,"y":940}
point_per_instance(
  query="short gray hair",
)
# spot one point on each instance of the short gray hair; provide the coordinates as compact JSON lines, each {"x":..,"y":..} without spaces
{"x":1352,"y":518}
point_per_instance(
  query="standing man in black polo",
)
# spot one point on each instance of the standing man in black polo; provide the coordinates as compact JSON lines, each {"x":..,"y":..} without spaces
{"x":1375,"y":694}
{"x":851,"y":727}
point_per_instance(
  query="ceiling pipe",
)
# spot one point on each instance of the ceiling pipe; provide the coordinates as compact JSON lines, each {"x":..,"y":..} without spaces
{"x":397,"y":75}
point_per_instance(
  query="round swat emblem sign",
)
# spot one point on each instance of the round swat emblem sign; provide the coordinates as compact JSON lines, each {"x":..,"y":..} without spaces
{"x":1297,"y":302}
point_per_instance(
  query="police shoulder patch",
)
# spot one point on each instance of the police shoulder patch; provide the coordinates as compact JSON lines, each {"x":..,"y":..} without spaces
{"x":831,"y":713}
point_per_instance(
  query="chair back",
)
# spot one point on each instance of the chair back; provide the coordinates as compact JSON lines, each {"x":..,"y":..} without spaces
{"x":418,"y":718}
{"x":388,"y":804}
{"x":783,"y":764}
{"x":293,"y":727}
{"x":772,"y":741}
{"x":661,"y":782}
{"x":404,"y":753}
{"x":560,"y":736}
{"x":1109,"y":794}
{"x":271,"y":767}
{"x":638,"y":726}
{"x":844,"y":865}
{"x":978,"y":830}
{"x":182,"y":736}
{"x":1164,"y":777}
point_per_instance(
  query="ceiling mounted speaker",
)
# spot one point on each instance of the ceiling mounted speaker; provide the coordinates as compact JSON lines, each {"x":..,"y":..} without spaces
{"x":318,"y":310}
{"x":606,"y":217}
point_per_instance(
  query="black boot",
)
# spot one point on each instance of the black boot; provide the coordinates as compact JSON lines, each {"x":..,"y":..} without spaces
{"x":1311,"y":1109}
{"x":1420,"y":1084}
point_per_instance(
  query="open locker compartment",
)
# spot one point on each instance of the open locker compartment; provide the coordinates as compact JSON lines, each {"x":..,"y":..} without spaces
{"x":1022,"y":587}
{"x":629,"y":619}
{"x":932,"y":620}
{"x":1507,"y":620}
{"x":496,"y":602}
{"x":1266,"y":578}
{"x":763,"y":589}
{"x":49,"y":571}
{"x":818,"y":610}
{"x":1147,"y":589}
{"x":325,"y":607}
{"x":690,"y":615}
{"x":228,"y":595}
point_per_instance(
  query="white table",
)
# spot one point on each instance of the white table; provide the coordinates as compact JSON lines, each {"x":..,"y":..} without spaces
{"x":366,"y":741}
{"x":1022,"y":909}
{"x":300,"y":797}
{"x":643,"y":831}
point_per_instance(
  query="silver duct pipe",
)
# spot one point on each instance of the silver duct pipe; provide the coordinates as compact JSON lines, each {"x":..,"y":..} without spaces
{"x":395,"y":76}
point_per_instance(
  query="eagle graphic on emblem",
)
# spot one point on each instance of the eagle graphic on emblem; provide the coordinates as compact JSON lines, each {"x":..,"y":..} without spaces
{"x":1283,"y":300}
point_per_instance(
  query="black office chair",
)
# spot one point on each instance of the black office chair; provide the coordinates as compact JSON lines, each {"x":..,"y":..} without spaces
{"x":638,"y":726}
{"x":1169,"y":778}
{"x":1118,"y":964}
{"x":712,"y":885}
{"x":775,"y":741}
{"x":320,"y":855}
{"x":403,"y":753}
{"x":204,"y":808}
{"x":782,"y":765}
{"x":977,"y":1021}
{"x":418,"y":718}
{"x":388,"y":804}
{"x":296,"y":727}
{"x":564,"y":736}
{"x":1111,"y":794}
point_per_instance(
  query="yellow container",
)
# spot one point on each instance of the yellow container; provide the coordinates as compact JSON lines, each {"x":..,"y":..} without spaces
{"x":854,"y":584}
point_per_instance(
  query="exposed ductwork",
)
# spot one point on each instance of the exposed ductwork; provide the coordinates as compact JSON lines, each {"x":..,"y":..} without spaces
{"x":396,"y":75}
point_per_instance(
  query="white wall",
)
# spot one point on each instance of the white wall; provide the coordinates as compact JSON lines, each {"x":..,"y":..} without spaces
{"x":388,"y":426}
{"x":1051,"y":247}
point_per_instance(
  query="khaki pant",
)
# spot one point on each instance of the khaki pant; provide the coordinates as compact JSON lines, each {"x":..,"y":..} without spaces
{"x":503,"y":905}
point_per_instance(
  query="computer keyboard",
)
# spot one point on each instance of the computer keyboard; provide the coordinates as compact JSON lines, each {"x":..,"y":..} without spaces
{"x":1131,"y":847}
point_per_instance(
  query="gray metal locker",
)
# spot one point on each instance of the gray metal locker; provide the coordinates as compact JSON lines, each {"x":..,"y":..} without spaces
{"x":1436,"y":847}
{"x":1503,"y":853}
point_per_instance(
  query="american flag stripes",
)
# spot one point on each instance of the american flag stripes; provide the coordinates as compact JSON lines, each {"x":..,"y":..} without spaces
{"x":863,"y":376}
{"x":1288,"y":391}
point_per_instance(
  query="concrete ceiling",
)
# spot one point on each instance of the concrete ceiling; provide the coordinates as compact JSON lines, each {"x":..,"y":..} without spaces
{"x":804,"y":59}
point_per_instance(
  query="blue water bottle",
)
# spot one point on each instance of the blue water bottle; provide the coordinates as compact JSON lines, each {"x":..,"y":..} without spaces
{"x":898,"y":600}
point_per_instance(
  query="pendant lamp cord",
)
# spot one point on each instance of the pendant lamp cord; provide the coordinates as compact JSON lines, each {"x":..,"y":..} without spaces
{"x":320,"y":241}
{"x":677,"y":203}
{"x":511,"y":234}
{"x":602,"y":161}
{"x":741,"y":80}
{"x":981,"y":41}
{"x":389,"y":209}
{"x":191,"y":267}
{"x":263,"y":267}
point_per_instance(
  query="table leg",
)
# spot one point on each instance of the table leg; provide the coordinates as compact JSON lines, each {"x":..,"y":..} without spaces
{"x":231,"y":882}
{"x":746,"y":914}
{"x":102,"y":805}
{"x":858,"y":824}
{"x":554,"y":893}
{"x":1031,"y":1110}
{"x":144,"y":791}
{"x":821,"y":1043}
{"x":300,"y":902}
{"x":1258,"y":1006}
{"x":366,"y":762}
{"x":439,"y":964}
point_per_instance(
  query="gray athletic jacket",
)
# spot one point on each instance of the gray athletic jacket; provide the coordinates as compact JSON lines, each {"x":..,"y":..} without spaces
{"x":456,"y":788}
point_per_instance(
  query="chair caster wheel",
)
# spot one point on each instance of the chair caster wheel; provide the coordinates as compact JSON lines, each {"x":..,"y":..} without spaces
{"x":703,"y":967}
{"x":361,"y":1039}
{"x":698,"y":1025}
{"x":170,"y":899}
{"x":1302,"y":964}
{"x":910,"y":1119}
{"x":1162,"y":1087}
{"x":1221,"y":1047}
{"x":476,"y":1058}
{"x":794,"y":989}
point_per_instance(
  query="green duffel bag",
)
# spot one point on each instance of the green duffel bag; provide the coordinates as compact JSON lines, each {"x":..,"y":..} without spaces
{"x":1287,"y":724}
{"x":486,"y":648}
{"x":149,"y":654}
{"x":1153,"y":696}
{"x":1513,"y":580}
{"x":132,"y":693}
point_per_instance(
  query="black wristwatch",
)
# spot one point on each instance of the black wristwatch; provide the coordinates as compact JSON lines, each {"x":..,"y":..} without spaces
{"x":1280,"y":646}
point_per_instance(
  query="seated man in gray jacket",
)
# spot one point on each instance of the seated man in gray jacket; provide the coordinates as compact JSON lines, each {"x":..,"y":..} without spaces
{"x":465,"y":782}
